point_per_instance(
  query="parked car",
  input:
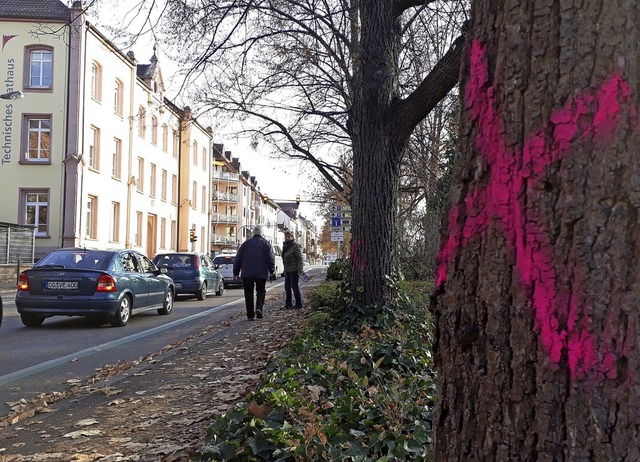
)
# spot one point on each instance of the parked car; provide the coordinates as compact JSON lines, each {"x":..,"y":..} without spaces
{"x":224,"y":264}
{"x":193,"y":273}
{"x":104,"y":285}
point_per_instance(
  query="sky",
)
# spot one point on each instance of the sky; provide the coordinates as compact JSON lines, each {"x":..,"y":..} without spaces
{"x":280,"y":179}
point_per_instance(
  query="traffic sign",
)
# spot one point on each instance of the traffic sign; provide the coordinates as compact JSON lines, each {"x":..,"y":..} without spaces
{"x":339,"y":208}
{"x":336,"y":222}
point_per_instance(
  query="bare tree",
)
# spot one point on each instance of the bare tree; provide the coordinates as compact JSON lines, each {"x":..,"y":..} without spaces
{"x":537,"y":288}
{"x":316,"y":77}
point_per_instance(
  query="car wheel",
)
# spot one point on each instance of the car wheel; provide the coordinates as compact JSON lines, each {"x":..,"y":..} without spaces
{"x":220,"y":290}
{"x":202,"y":293}
{"x":121,"y":318}
{"x":31,"y":320}
{"x":167,"y":306}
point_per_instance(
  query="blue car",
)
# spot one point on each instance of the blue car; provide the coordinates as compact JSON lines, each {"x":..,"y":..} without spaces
{"x":193,"y":273}
{"x":104,"y":285}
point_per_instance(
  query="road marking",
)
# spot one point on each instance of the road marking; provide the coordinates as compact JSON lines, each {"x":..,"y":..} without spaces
{"x":37,"y":368}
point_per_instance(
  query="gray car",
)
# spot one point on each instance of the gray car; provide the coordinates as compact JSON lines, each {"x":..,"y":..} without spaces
{"x":224,"y":263}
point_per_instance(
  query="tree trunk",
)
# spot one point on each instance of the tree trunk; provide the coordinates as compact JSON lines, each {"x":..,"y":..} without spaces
{"x":376,"y":153}
{"x":537,"y":291}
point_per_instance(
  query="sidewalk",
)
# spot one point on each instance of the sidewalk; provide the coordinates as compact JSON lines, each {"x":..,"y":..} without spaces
{"x":160,"y":408}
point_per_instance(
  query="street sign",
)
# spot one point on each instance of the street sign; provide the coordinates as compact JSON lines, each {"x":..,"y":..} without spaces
{"x":336,"y":222}
{"x":339,"y":208}
{"x":337,"y":238}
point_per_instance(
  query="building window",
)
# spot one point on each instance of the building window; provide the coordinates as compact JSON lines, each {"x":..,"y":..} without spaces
{"x":176,"y":143}
{"x":205,"y":159}
{"x":163,"y":233}
{"x":163,"y":185}
{"x":195,"y":153}
{"x":174,"y":189}
{"x":118,"y":97}
{"x":173,"y":235}
{"x":92,"y":217}
{"x":38,"y":139}
{"x":142,"y":128}
{"x":96,"y":81}
{"x":154,"y":130}
{"x":140,"y":180}
{"x":165,"y":137}
{"x":36,"y":210}
{"x":40,"y":69}
{"x":116,"y":168}
{"x":114,"y":231}
{"x":94,"y":149}
{"x":204,"y":201}
{"x":202,"y":243}
{"x":194,"y":195}
{"x":152,"y":181}
{"x":138,"y":237}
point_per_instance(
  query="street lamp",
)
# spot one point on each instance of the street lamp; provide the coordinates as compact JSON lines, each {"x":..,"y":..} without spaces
{"x":12,"y":95}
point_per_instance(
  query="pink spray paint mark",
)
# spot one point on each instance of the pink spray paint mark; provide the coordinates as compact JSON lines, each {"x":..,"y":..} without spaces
{"x":355,"y":254}
{"x":499,"y":200}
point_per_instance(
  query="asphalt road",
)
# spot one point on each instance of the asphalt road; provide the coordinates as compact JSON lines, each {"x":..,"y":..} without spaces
{"x":63,"y":350}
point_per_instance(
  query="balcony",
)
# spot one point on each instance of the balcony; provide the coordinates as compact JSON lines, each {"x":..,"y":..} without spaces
{"x":224,"y":197}
{"x":224,"y":240}
{"x":222,"y":218}
{"x":227,"y":176}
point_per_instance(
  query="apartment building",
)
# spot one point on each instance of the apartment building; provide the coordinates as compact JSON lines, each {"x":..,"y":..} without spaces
{"x":94,"y":154}
{"x":237,"y":205}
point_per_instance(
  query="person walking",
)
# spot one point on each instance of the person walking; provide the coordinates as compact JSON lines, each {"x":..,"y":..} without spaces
{"x":255,"y":261}
{"x":293,"y":269}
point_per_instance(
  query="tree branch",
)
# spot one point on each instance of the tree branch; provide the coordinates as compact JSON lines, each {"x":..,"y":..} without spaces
{"x":434,"y":87}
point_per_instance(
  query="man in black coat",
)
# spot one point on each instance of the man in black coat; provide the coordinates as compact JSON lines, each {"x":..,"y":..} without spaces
{"x":255,"y":261}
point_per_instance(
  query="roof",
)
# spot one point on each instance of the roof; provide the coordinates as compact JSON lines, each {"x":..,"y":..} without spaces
{"x":35,"y":9}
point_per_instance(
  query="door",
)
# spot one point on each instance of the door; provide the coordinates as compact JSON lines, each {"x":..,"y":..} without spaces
{"x":137,"y":282}
{"x":155,"y":285}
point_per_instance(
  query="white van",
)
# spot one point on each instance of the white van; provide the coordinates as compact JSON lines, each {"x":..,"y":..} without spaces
{"x":279,"y":263}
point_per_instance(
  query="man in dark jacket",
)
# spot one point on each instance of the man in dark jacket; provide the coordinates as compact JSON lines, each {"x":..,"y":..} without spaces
{"x":255,"y":260}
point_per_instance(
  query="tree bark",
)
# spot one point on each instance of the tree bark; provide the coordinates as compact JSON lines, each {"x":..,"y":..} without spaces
{"x":380,"y":124}
{"x":376,"y":152}
{"x":537,"y":288}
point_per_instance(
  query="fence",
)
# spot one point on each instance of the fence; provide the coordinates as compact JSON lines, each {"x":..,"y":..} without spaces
{"x":17,"y":250}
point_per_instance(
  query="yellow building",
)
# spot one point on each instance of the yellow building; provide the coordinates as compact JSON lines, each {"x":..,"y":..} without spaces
{"x":94,"y":154}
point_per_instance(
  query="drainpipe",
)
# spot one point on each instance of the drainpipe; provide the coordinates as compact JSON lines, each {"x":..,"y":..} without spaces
{"x":130,"y":177}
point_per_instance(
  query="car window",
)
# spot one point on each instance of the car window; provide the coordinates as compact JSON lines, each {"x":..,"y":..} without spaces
{"x":129,"y":262}
{"x":224,"y":260}
{"x":146,"y":265}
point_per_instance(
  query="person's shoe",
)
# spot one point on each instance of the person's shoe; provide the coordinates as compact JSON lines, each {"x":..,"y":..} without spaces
{"x":297,"y":307}
{"x":250,"y":319}
{"x":259,"y":314}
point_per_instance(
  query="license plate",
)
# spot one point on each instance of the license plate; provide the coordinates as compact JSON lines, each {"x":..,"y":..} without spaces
{"x":178,"y":285}
{"x":62,"y":285}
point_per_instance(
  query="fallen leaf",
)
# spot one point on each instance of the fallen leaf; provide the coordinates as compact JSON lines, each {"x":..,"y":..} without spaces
{"x":80,"y":433}
{"x":86,"y":422}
